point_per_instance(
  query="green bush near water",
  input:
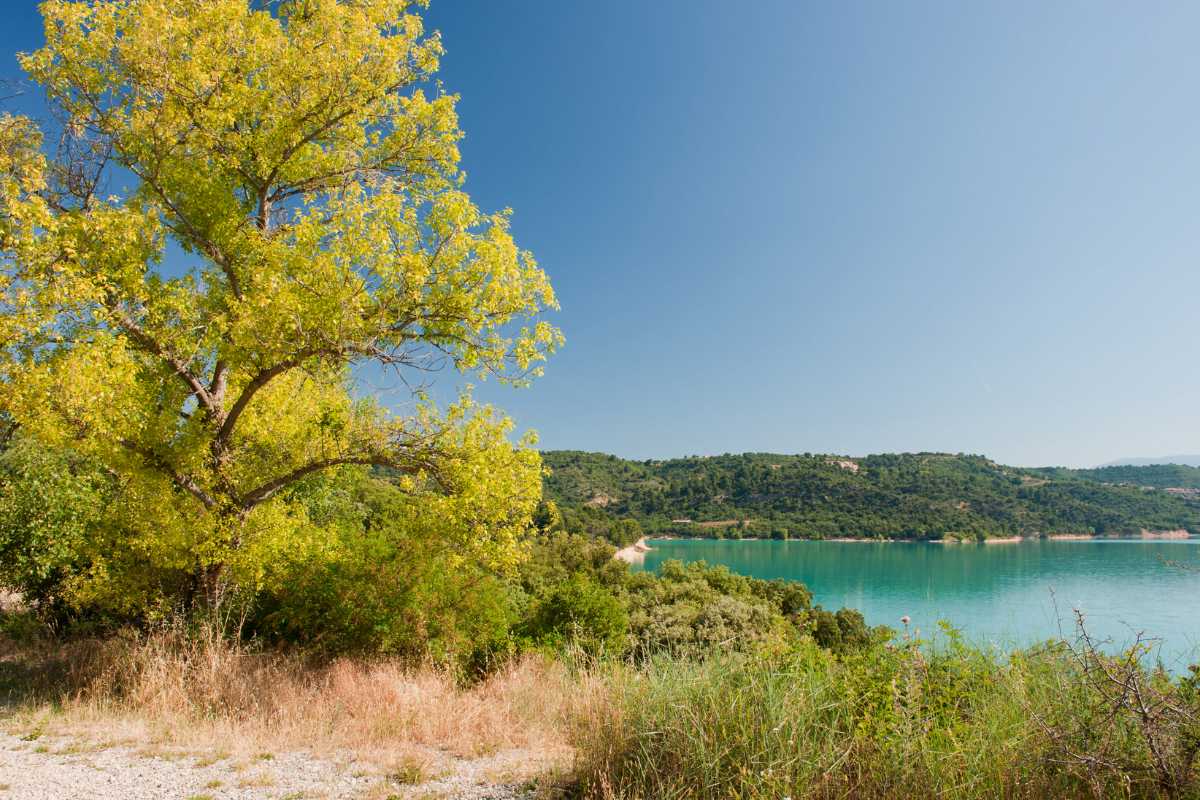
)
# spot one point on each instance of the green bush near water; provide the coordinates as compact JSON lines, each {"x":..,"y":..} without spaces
{"x":951,"y":720}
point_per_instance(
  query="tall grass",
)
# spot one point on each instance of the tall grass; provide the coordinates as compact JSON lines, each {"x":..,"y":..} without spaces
{"x":932,"y":720}
{"x":947,"y":721}
{"x":170,"y":687}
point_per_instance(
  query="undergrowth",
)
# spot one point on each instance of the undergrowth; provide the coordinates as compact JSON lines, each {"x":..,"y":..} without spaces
{"x":943,"y":718}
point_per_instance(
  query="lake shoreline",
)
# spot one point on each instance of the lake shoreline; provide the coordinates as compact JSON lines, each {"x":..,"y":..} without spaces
{"x":1068,"y":537}
{"x":635,"y":553}
{"x":999,"y":591}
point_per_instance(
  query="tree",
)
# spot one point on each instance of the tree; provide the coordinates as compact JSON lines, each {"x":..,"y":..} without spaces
{"x":287,"y":151}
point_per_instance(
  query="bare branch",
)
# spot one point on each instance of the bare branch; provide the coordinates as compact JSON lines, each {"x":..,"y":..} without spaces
{"x":1176,"y":563}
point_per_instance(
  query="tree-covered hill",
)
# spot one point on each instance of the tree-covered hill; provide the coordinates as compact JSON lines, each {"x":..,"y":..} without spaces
{"x":896,"y":496}
{"x":1160,"y":476}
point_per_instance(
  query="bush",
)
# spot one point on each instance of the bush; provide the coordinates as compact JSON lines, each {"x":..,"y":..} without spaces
{"x":49,"y":498}
{"x":385,"y":586}
{"x":692,"y":609}
{"x":844,"y":632}
{"x":580,"y":611}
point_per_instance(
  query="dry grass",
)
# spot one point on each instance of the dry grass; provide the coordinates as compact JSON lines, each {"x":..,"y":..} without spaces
{"x":170,"y":692}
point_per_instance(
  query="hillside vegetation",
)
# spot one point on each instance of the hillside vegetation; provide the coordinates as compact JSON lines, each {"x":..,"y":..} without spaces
{"x":894,"y":496}
{"x":1160,"y":476}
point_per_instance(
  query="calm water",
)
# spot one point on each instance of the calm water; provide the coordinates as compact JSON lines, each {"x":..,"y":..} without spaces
{"x":996,"y":590}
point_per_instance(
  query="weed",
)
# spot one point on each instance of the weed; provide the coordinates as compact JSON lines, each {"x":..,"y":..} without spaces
{"x":409,"y":771}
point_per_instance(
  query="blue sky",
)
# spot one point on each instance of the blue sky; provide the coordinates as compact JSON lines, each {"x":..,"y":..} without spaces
{"x":843,"y":227}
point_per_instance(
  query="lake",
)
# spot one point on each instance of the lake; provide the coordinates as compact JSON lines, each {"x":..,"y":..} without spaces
{"x":998,"y":591}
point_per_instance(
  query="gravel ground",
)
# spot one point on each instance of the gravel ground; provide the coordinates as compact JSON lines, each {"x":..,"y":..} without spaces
{"x":48,"y":769}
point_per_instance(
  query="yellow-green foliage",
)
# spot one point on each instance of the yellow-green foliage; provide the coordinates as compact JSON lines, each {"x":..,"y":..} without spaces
{"x":313,"y":187}
{"x":387,"y":586}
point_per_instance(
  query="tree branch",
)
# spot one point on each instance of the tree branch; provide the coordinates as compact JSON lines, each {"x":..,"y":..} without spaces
{"x":219,"y":382}
{"x":180,"y":367}
{"x":1176,"y":563}
{"x":181,"y":480}
{"x":262,"y":493}
{"x":225,"y":433}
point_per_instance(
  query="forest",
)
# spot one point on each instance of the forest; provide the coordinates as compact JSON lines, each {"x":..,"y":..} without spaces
{"x":1160,"y":476}
{"x":912,"y":496}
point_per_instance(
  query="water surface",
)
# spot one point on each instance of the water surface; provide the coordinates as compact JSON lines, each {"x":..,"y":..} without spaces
{"x":1000,"y":591}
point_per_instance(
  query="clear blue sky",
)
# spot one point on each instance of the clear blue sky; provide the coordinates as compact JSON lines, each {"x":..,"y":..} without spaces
{"x":843,"y":227}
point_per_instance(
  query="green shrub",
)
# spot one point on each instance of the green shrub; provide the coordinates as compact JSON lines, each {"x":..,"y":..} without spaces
{"x":844,"y":632}
{"x":49,"y":500}
{"x":580,"y":611}
{"x":691,"y":609}
{"x":384,"y":586}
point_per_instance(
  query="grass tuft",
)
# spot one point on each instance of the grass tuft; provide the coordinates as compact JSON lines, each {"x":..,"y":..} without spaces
{"x":409,"y":771}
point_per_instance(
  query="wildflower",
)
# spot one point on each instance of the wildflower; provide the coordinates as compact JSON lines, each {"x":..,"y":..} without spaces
{"x":776,"y":728}
{"x":905,"y":620}
{"x":917,"y":632}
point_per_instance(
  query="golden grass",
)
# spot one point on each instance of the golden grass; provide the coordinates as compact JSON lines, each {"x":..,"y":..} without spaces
{"x":171,"y":693}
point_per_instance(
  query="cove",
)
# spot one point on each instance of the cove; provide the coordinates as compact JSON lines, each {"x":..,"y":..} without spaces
{"x":999,"y":592}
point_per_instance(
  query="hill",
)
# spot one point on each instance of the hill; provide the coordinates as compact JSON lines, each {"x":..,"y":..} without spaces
{"x":892,"y":496}
{"x":1160,"y":476}
{"x":1191,"y":461}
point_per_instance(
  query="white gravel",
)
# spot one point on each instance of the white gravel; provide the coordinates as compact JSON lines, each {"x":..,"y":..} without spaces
{"x":47,"y":769}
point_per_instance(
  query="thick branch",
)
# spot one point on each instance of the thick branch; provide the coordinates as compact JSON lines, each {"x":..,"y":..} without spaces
{"x":180,"y":480}
{"x":180,"y":367}
{"x":225,"y":434}
{"x":257,"y":496}
{"x":217,"y":388}
{"x":8,"y":434}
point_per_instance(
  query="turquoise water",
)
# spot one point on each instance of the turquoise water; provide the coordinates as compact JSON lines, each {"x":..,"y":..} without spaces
{"x":998,"y":591}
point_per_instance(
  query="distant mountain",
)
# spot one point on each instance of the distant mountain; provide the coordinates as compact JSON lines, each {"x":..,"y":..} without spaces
{"x":1188,"y":461}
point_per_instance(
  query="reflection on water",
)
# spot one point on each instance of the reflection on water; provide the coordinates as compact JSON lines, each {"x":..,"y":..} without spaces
{"x":997,"y":590}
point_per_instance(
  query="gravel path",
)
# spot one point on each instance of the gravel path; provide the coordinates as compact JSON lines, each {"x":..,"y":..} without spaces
{"x":48,"y":769}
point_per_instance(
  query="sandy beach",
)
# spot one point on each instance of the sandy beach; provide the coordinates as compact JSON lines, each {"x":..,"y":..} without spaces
{"x":635,"y":553}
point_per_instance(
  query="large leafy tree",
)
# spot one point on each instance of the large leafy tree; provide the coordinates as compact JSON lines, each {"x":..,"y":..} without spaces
{"x":286,"y":153}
